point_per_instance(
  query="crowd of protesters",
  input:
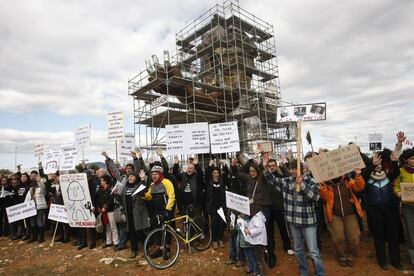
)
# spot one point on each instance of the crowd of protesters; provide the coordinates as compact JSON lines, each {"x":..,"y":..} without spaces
{"x":278,"y":194}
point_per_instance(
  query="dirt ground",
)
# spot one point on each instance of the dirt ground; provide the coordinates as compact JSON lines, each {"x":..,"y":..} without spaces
{"x":19,"y":258}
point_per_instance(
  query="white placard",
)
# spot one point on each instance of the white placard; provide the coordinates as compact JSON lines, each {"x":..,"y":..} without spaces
{"x":21,"y":211}
{"x":83,"y":136}
{"x":238,"y":203}
{"x":39,"y":150}
{"x":75,"y":193}
{"x":303,"y":112}
{"x":139,"y":189}
{"x":221,"y":214}
{"x":187,"y":138}
{"x":224,"y":137}
{"x":58,"y":213}
{"x":69,"y":158}
{"x":52,"y":158}
{"x":375,"y":137}
{"x":126,"y":145}
{"x":115,"y":125}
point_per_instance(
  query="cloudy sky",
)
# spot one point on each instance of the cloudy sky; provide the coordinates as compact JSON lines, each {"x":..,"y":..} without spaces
{"x":64,"y":64}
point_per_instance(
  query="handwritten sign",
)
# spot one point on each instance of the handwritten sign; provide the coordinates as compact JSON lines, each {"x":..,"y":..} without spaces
{"x":126,"y":145}
{"x":21,"y":211}
{"x":75,"y":193}
{"x":407,"y":192}
{"x":39,"y":150}
{"x":224,"y":137}
{"x":58,"y":213}
{"x":52,"y":158}
{"x":335,"y":163}
{"x":115,"y":122}
{"x":69,"y":158}
{"x":83,"y":136}
{"x":238,"y":203}
{"x":187,"y":138}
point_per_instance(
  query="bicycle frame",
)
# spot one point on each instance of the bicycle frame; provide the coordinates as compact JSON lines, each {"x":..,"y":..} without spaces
{"x":189,"y":222}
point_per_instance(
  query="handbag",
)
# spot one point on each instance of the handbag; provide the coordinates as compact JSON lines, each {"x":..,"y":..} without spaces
{"x":99,"y":224}
{"x":119,"y":215}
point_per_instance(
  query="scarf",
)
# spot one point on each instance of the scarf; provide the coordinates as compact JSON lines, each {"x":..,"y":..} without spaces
{"x":160,"y":178}
{"x":408,"y":168}
{"x":378,"y":175}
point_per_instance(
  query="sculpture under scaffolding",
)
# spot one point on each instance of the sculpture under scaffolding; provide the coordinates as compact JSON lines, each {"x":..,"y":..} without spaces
{"x":225,"y":70}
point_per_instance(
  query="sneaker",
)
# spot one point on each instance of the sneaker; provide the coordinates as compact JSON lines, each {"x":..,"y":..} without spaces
{"x":230,"y":262}
{"x":290,"y":252}
{"x":342,"y":261}
{"x":221,"y":244}
{"x":350,"y":262}
{"x":398,"y":267}
{"x":92,"y":245}
{"x":384,"y":266}
{"x":133,"y":255}
{"x":215,"y":245}
{"x":107,"y":245}
{"x":239,"y":264}
{"x":120,"y":247}
{"x":156,"y":254}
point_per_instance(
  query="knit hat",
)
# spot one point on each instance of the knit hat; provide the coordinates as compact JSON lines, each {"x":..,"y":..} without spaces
{"x":156,"y":169}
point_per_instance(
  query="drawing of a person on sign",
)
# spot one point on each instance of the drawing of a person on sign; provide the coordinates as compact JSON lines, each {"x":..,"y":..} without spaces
{"x":77,"y":205}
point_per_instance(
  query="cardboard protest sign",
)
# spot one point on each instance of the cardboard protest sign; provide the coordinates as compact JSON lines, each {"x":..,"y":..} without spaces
{"x":83,"y":136}
{"x":39,"y":150}
{"x":21,"y":211}
{"x":266,"y":146}
{"x":115,"y":122}
{"x":335,"y":163}
{"x":238,"y":203}
{"x":58,"y":213}
{"x":75,"y":193}
{"x":407,"y":192}
{"x":52,"y":158}
{"x":224,"y":137}
{"x":69,"y":158}
{"x":187,"y":138}
{"x":126,"y":145}
{"x":304,"y":112}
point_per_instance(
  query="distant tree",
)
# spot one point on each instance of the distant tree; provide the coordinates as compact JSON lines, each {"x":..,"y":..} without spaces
{"x":5,"y":172}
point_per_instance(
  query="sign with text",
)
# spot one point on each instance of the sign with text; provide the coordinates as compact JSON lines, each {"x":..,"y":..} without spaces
{"x":187,"y":138}
{"x":238,"y":203}
{"x":83,"y":136}
{"x":407,"y":192}
{"x":52,"y":158}
{"x":375,"y":137}
{"x":21,"y":211}
{"x":126,"y":145}
{"x":58,"y":213}
{"x":304,"y":112}
{"x":224,"y":137}
{"x":39,"y":150}
{"x":375,"y":146}
{"x":115,"y":126}
{"x":78,"y":203}
{"x":266,"y":146}
{"x":69,"y":158}
{"x":335,"y":163}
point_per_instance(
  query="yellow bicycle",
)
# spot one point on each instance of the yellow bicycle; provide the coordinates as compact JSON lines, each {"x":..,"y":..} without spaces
{"x":162,"y":247}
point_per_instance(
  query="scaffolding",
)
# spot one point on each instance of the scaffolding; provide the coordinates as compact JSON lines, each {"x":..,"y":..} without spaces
{"x":225,"y":70}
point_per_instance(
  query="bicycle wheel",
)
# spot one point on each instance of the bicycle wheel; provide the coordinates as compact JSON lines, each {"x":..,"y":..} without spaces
{"x":202,"y":228}
{"x":161,"y":248}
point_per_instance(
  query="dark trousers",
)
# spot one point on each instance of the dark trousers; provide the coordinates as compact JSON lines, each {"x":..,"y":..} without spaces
{"x":217,"y":226}
{"x":279,"y":216}
{"x":385,"y":229}
{"x":135,"y":237}
{"x":4,"y":223}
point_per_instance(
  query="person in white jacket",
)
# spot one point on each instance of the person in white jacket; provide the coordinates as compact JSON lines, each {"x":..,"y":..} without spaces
{"x":38,"y":194}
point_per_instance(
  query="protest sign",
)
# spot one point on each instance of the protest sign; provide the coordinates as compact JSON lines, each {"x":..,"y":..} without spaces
{"x":75,"y":193}
{"x":39,"y":150}
{"x":224,"y":137}
{"x":263,"y":147}
{"x":187,"y":138}
{"x":52,"y":158}
{"x":58,"y":213}
{"x":407,"y":192}
{"x":115,"y":126}
{"x":21,"y":211}
{"x":304,"y":112}
{"x":83,"y":136}
{"x":335,"y":163}
{"x":69,"y":158}
{"x":375,"y":141}
{"x":126,"y":145}
{"x":238,"y":203}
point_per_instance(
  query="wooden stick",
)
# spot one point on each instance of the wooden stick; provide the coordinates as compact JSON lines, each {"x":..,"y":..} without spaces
{"x":298,"y":159}
{"x":54,"y":234}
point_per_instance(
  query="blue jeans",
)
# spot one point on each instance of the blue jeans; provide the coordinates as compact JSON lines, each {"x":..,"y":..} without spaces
{"x":307,"y":234}
{"x":251,"y":257}
{"x":39,"y":219}
{"x":235,"y":252}
{"x":408,"y":215}
{"x":123,"y":235}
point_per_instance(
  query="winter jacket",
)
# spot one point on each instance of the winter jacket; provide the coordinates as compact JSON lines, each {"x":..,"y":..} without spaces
{"x":196,"y":181}
{"x":163,"y":197}
{"x":404,"y":177}
{"x":353,"y":185}
{"x":104,"y":199}
{"x":38,"y":194}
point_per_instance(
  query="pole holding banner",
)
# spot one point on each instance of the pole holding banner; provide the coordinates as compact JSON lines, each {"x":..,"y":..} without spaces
{"x":116,"y":151}
{"x":298,"y":160}
{"x":54,"y":234}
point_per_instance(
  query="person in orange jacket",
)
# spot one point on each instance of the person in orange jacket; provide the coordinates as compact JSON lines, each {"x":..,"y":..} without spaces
{"x":341,"y":208}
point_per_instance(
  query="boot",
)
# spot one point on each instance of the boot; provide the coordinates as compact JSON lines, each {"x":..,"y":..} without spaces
{"x":41,"y":234}
{"x":34,"y":235}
